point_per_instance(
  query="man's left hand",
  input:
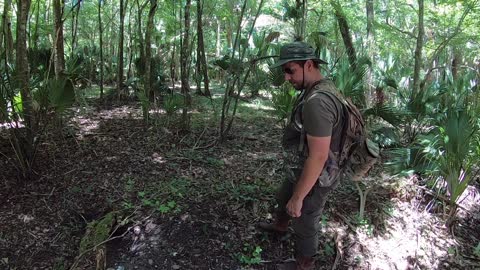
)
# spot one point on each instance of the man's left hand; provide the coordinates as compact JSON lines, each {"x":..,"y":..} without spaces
{"x":294,"y":207}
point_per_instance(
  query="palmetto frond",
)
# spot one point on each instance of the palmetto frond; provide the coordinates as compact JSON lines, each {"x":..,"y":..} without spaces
{"x":386,"y":136}
{"x":456,"y":150}
{"x":388,"y":113}
{"x":350,"y":82}
{"x":407,"y":160}
{"x":427,"y":101}
{"x":276,"y":76}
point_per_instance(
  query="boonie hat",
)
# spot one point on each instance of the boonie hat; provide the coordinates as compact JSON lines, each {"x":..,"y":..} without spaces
{"x":297,"y":51}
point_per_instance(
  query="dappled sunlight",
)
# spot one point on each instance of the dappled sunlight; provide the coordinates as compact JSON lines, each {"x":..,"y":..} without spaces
{"x":157,"y":111}
{"x":469,"y":201}
{"x":411,"y":238}
{"x":11,"y":125}
{"x":86,"y":125}
{"x":258,"y":106}
{"x":121,"y":112}
{"x":89,"y":122}
{"x":156,"y":158}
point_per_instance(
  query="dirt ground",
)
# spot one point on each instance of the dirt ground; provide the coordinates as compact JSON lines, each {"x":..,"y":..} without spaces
{"x":178,"y":200}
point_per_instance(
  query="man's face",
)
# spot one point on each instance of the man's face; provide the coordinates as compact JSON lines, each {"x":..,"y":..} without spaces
{"x":294,"y":74}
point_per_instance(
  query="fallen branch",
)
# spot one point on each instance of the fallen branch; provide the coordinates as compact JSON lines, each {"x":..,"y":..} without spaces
{"x":198,"y":139}
{"x":339,"y":256}
{"x":110,"y":238}
{"x":346,"y":222}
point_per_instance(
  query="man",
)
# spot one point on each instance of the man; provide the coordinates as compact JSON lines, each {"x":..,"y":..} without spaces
{"x":311,"y":142}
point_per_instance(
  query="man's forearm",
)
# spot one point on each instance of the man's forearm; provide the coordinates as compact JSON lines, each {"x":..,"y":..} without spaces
{"x":311,"y":171}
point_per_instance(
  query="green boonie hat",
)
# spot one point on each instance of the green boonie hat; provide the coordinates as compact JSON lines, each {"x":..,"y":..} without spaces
{"x":297,"y":51}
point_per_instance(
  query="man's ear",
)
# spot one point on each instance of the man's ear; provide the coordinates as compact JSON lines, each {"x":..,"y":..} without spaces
{"x":309,"y":64}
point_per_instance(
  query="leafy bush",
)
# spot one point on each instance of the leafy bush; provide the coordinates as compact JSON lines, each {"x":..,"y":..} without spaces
{"x":454,"y":151}
{"x":283,"y":100}
{"x":172,"y":103}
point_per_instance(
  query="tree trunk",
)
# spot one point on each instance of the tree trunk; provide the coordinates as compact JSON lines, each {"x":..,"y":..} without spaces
{"x":100,"y":32}
{"x":23,"y":76}
{"x":130,"y":49}
{"x":229,"y":34}
{"x":347,"y":38}
{"x":59,"y":58}
{"x":75,"y":16}
{"x":301,"y":6}
{"x":457,"y":60}
{"x":120,"y":47}
{"x":34,"y":37}
{"x":37,"y":24}
{"x":202,"y":69}
{"x":3,"y":24}
{"x":370,"y":51}
{"x":6,"y":37}
{"x":148,"y":53}
{"x":139,"y":31}
{"x":184,"y":65}
{"x":218,"y":44}
{"x":418,"y":50}
{"x":111,"y":45}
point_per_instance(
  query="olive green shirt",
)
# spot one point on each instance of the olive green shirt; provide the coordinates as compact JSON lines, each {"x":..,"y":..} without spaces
{"x":320,"y":115}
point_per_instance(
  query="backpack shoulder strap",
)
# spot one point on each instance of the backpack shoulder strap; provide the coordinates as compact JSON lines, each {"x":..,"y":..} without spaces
{"x":333,"y":96}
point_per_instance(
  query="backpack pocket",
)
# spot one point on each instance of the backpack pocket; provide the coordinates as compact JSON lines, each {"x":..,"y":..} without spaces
{"x":362,"y":160}
{"x":330,"y":173}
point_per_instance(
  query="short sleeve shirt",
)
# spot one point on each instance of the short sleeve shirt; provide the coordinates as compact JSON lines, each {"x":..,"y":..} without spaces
{"x":318,"y":113}
{"x":321,"y":111}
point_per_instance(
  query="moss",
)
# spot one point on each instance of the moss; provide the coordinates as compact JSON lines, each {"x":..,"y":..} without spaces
{"x":97,"y":232}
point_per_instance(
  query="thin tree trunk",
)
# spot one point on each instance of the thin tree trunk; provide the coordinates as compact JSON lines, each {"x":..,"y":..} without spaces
{"x":120,"y":47}
{"x":3,"y":26}
{"x":228,"y":29}
{"x":111,"y":45}
{"x":139,"y":31}
{"x":198,"y":68}
{"x":37,"y":24}
{"x":6,"y":32}
{"x":59,"y":58}
{"x":370,"y":50}
{"x":418,"y":50}
{"x":184,"y":65}
{"x":148,"y":53}
{"x":23,"y":76}
{"x":301,"y":6}
{"x":75,"y":26}
{"x":30,"y":24}
{"x":201,"y":57}
{"x":457,"y":59}
{"x":218,"y":40}
{"x":100,"y":32}
{"x":130,"y":43}
{"x":347,"y":38}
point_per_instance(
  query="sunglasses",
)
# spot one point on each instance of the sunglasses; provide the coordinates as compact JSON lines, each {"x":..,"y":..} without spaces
{"x":288,"y":71}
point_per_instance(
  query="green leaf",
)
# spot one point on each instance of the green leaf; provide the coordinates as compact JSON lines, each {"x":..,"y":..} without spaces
{"x":171,"y":204}
{"x":61,"y":94}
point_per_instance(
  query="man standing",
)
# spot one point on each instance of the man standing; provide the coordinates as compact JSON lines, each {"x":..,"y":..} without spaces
{"x":312,"y":142}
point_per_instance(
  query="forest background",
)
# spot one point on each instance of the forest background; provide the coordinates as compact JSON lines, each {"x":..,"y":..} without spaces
{"x":126,"y":118}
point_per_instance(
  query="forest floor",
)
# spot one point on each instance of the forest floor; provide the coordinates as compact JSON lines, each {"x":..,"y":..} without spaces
{"x":162,"y":198}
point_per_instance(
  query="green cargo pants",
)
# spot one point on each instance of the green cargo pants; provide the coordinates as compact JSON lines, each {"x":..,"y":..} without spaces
{"x":307,"y":226}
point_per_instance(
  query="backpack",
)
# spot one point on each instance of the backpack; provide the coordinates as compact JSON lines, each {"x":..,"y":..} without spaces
{"x":357,"y":153}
